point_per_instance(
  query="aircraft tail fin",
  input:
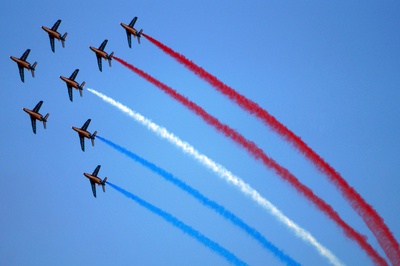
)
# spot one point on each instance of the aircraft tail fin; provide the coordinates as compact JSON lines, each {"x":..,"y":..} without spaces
{"x":45,"y":120}
{"x":92,"y":137}
{"x":81,"y":88}
{"x":139,"y":35}
{"x":33,"y":69}
{"x":103,"y":184}
{"x":110,"y":58}
{"x":63,"y":39}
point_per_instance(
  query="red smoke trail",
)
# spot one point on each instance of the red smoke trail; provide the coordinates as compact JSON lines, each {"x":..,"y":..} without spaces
{"x":375,"y":223}
{"x":260,"y":155}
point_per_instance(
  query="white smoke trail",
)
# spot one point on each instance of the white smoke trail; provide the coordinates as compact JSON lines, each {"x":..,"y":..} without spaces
{"x":225,"y":174}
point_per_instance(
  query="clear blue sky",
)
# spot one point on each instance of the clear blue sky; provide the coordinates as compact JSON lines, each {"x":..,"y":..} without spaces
{"x":330,"y":72}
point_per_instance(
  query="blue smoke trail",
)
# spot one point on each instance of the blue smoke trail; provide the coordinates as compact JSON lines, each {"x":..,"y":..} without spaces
{"x":205,"y":201}
{"x":185,"y":228}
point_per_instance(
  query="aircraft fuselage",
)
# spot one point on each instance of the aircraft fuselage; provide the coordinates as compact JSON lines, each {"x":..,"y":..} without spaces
{"x":82,"y":132}
{"x":99,"y":52}
{"x":52,"y":33}
{"x":21,"y":62}
{"x":70,"y":82}
{"x":33,"y":114}
{"x":93,"y":178}
{"x":131,"y":30}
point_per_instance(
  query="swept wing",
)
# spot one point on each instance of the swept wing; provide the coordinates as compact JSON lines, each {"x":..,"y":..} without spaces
{"x":55,"y":26}
{"x":93,"y":184}
{"x":33,"y":122}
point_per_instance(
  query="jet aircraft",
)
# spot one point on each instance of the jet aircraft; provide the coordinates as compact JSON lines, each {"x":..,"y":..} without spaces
{"x":22,"y":63}
{"x":101,"y":54}
{"x":96,"y":180}
{"x":83,"y":133}
{"x":34,"y":114}
{"x":53,"y":33}
{"x":71,"y":83}
{"x":130,"y":30}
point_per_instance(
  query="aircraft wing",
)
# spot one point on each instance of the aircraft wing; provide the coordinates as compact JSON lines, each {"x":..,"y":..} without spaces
{"x":99,"y":62}
{"x":85,"y":126}
{"x":21,"y":72}
{"x":37,"y":107}
{"x":103,"y":45}
{"x":51,"y":42}
{"x":96,"y":171}
{"x":133,"y":22}
{"x":73,"y":75}
{"x":33,"y":121}
{"x":55,"y":26}
{"x":93,"y":184}
{"x":25,"y":55}
{"x":129,"y":36}
{"x":70,"y":92}
{"x":82,"y":140}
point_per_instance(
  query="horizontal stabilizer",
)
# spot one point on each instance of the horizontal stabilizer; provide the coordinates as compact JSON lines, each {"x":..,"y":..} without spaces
{"x":45,"y":120}
{"x":110,"y":58}
{"x":63,"y":39}
{"x":33,"y":69}
{"x":139,"y":35}
{"x":93,"y":137}
{"x":103,"y":184}
{"x":81,"y":88}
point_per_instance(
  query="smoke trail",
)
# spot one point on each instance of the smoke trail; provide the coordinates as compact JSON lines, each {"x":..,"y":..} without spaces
{"x":180,"y":225}
{"x":225,"y":174}
{"x":205,"y":201}
{"x":259,"y":154}
{"x":370,"y":216}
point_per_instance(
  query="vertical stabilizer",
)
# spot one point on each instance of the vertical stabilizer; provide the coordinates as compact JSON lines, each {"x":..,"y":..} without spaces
{"x":63,"y":39}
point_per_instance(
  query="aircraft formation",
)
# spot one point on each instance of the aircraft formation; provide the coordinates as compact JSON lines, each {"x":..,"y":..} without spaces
{"x":71,"y":83}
